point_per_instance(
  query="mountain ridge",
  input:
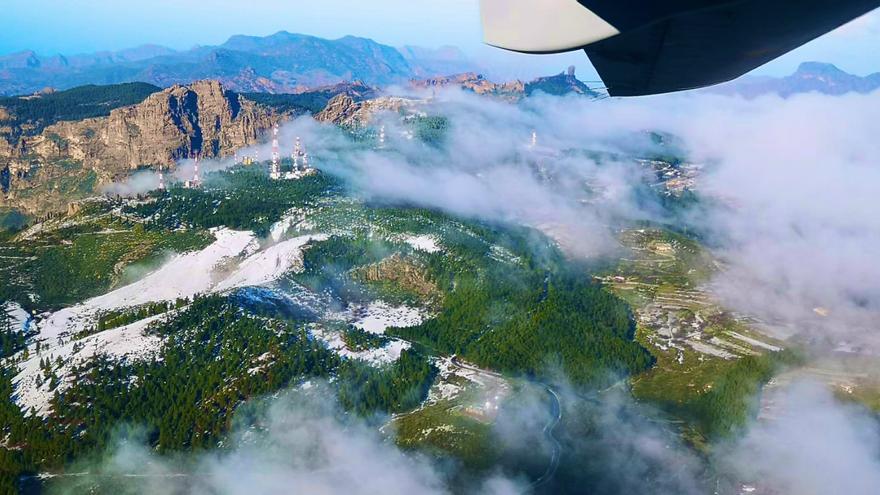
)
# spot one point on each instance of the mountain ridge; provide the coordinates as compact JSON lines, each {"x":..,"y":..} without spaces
{"x":282,"y":62}
{"x":810,"y":76}
{"x":72,"y":158}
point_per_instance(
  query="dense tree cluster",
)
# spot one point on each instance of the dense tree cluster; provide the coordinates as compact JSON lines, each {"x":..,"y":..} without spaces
{"x":730,"y":402}
{"x":216,"y":356}
{"x":327,"y":265}
{"x":430,"y":129}
{"x":12,"y":339}
{"x":357,"y":339}
{"x":534,"y":314}
{"x":241,"y":198}
{"x":401,"y":387}
{"x":73,"y":104}
{"x":109,"y":320}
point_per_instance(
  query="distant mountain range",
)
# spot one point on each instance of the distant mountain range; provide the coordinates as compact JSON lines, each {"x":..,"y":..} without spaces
{"x":280,"y":63}
{"x":290,"y":63}
{"x":561,"y":84}
{"x":810,"y":77}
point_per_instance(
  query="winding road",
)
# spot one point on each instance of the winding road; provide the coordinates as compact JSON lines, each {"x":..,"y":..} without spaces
{"x":556,"y":412}
{"x":556,"y":417}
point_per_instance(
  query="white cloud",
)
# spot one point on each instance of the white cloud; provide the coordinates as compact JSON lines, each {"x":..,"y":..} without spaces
{"x":814,"y":446}
{"x":302,"y":444}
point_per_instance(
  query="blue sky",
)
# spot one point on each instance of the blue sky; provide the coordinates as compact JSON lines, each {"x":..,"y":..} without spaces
{"x":66,"y":26}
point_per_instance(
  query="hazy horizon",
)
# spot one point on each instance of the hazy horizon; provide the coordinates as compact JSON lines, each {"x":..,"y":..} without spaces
{"x":51,"y":27}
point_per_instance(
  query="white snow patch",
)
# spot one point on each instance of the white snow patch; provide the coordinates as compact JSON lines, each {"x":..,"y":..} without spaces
{"x":183,"y":276}
{"x":262,"y":362}
{"x":124,"y":343}
{"x":375,"y":318}
{"x":378,"y":356}
{"x":491,"y":387}
{"x":426,"y":243}
{"x":294,"y":217}
{"x":19,"y":319}
{"x":444,"y":388}
{"x":379,"y":315}
{"x":503,"y":255}
{"x":267,"y":266}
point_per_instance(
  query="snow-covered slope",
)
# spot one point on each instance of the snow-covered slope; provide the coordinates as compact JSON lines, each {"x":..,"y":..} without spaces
{"x":268,"y":265}
{"x":32,"y":391}
{"x":426,"y":243}
{"x":184,"y":275}
{"x":376,"y":317}
{"x":19,"y":319}
{"x":379,"y":315}
{"x":235,"y":259}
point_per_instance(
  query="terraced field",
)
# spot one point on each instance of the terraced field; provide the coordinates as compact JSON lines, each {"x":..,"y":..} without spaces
{"x":695,"y":340}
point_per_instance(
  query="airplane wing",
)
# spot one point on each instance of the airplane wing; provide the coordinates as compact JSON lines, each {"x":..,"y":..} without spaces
{"x":643,"y":47}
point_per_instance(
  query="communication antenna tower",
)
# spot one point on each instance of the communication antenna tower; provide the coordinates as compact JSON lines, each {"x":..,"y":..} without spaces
{"x":196,"y":180}
{"x":276,"y":170}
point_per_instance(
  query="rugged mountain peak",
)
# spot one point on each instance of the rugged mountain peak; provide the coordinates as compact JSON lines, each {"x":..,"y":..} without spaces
{"x":819,"y":68}
{"x":346,"y":111}
{"x":561,"y":84}
{"x":470,"y":81}
{"x":358,"y":90}
{"x":340,"y":108}
{"x":279,"y":63}
{"x":817,"y":77}
{"x":203,"y":118}
{"x":20,"y":60}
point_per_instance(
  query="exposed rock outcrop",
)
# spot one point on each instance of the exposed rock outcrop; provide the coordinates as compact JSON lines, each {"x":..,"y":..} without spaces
{"x":182,"y":121}
{"x":403,"y":272}
{"x":561,"y":84}
{"x":345,"y":111}
{"x":477,"y":83}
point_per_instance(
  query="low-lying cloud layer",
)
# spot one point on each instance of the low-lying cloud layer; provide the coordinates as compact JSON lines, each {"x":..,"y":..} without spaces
{"x":794,"y":184}
{"x":813,"y":445}
{"x":794,"y":215}
{"x":800,"y":229}
{"x":302,"y":443}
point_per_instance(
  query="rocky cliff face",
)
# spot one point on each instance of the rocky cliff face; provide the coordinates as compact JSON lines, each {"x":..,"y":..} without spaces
{"x":467,"y":80}
{"x":471,"y":81}
{"x":182,"y":121}
{"x":560,"y":84}
{"x":345,"y":111}
{"x":202,"y":118}
{"x":403,"y":272}
{"x":564,"y":83}
{"x":179,"y":122}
